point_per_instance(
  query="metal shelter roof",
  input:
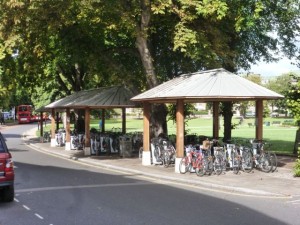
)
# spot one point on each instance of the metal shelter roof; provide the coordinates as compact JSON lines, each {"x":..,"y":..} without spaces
{"x":210,"y":85}
{"x":104,"y":97}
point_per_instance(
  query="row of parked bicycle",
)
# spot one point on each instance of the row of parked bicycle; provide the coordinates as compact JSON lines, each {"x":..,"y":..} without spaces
{"x":100,"y":142}
{"x":215,"y":157}
{"x":77,"y":139}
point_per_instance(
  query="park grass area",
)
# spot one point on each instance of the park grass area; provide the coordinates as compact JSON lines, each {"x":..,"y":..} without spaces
{"x":280,"y":137}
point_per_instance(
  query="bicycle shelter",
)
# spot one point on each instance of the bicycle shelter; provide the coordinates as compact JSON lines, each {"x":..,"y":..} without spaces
{"x":218,"y":85}
{"x":99,"y":98}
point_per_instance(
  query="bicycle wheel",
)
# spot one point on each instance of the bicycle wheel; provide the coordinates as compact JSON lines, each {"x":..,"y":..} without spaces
{"x":47,"y":137}
{"x":265,"y":163}
{"x":184,"y":165}
{"x":166,"y":158}
{"x":157,"y":154}
{"x":247,"y":162}
{"x":208,"y":165}
{"x":141,"y":153}
{"x":200,"y":170}
{"x":274,"y":161}
{"x":235,"y":163}
{"x":218,"y":165}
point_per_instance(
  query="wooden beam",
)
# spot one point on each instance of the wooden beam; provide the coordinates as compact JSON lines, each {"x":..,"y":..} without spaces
{"x":41,"y":127}
{"x":146,"y":157}
{"x":57,"y":121}
{"x":216,"y":122}
{"x":180,"y":129}
{"x":68,"y":129}
{"x":259,"y":120}
{"x":87,"y":127}
{"x":123,"y":120}
{"x":52,"y":127}
{"x":146,"y":136}
{"x":103,"y":121}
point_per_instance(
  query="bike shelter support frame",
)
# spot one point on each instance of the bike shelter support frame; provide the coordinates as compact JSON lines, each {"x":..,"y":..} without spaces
{"x":146,"y":158}
{"x":123,"y":120}
{"x":216,"y":122}
{"x":53,"y":144}
{"x":87,"y":144}
{"x":180,"y":133}
{"x":68,"y":133}
{"x":259,"y":119}
{"x":41,"y":127}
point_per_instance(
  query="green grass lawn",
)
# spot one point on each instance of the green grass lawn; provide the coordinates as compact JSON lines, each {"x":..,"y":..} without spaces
{"x":281,"y":137}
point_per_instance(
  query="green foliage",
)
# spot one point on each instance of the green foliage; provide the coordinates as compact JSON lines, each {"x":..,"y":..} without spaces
{"x":281,"y":85}
{"x":297,"y":165}
{"x":70,"y":45}
{"x":200,"y":112}
{"x":255,"y":78}
{"x":293,"y":97}
{"x":188,"y":111}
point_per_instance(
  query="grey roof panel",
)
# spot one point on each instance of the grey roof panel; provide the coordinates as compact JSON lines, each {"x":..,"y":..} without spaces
{"x":105,"y":97}
{"x":212,"y":84}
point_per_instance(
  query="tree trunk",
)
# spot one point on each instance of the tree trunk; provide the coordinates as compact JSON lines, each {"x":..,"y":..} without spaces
{"x":158,"y":120}
{"x":159,"y":111}
{"x":227,"y":113}
{"x":142,"y":44}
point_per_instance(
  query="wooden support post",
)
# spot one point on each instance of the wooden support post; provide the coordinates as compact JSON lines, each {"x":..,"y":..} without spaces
{"x":180,"y":129}
{"x":259,"y":120}
{"x":123,"y":121}
{"x":146,"y":136}
{"x":87,"y":121}
{"x":53,"y":128}
{"x":216,"y":122}
{"x":179,"y":133}
{"x":41,"y":127}
{"x":68,"y":130}
{"x":57,"y":121}
{"x":87,"y":140}
{"x":103,"y":121}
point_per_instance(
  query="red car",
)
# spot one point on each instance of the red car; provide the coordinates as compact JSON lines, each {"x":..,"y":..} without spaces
{"x":7,"y":174}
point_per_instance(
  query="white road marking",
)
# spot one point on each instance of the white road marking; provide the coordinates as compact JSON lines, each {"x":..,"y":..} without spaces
{"x":294,"y":201}
{"x":16,"y":200}
{"x":82,"y":186}
{"x":37,"y":215}
{"x":26,"y":207}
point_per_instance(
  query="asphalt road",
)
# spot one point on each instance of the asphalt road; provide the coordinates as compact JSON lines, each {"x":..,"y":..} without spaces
{"x":51,"y":190}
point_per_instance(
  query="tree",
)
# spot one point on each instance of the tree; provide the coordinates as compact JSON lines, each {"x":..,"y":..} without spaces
{"x":281,"y":85}
{"x":293,"y":102}
{"x":79,"y":44}
{"x":293,"y":97}
{"x":233,"y":34}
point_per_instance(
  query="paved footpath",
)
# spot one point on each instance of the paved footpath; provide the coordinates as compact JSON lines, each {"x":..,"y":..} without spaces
{"x":280,"y":183}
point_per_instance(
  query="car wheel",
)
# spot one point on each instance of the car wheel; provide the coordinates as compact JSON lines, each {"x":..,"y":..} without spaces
{"x":8,"y":193}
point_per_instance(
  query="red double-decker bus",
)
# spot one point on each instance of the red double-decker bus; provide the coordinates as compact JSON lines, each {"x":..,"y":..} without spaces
{"x":24,"y":113}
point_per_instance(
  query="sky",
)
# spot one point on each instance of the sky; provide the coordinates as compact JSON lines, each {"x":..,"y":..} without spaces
{"x":273,"y":69}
